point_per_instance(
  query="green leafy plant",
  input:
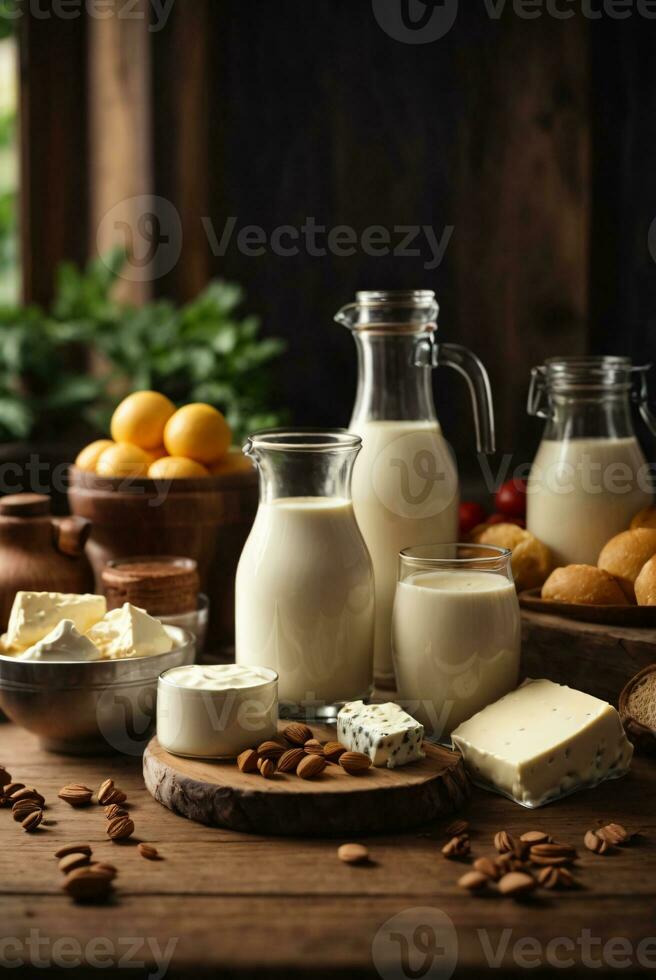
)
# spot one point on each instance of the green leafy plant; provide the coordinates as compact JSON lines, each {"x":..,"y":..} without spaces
{"x":203,"y":351}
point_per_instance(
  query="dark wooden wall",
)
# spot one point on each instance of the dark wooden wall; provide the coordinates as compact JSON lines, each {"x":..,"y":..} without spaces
{"x":535,"y":140}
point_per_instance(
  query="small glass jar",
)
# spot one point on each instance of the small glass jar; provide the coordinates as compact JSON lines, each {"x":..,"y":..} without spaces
{"x":305,"y":587}
{"x":590,"y":476}
{"x":456,"y":632}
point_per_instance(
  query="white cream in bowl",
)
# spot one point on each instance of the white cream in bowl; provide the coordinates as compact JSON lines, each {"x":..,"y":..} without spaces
{"x":217,"y":710}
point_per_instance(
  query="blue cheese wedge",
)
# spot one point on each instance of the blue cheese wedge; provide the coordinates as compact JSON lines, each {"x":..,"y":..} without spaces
{"x":543,"y":741}
{"x":385,"y":732}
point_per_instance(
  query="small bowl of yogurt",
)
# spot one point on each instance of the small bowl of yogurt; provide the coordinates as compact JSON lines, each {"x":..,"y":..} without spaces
{"x":216,"y":711}
{"x":84,"y":680}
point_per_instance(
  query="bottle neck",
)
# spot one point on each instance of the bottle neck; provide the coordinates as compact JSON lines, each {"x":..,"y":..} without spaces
{"x":303,"y":462}
{"x":607,"y":415}
{"x":394,"y":384}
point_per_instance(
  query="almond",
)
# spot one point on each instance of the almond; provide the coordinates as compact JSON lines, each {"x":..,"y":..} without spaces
{"x":473,"y":881}
{"x":75,"y":794}
{"x":504,"y":842}
{"x":353,"y":853}
{"x":313,"y":747}
{"x":76,"y":859}
{"x":114,"y":810}
{"x":596,"y":844}
{"x":12,"y":788}
{"x":457,"y":828}
{"x":116,"y":796}
{"x":32,"y":821}
{"x":332,"y":751}
{"x":457,"y":847}
{"x":148,"y":851}
{"x":553,"y":854}
{"x":516,"y":883}
{"x":297,"y":734}
{"x":556,"y":878}
{"x":270,"y":750}
{"x":120,"y":828}
{"x":355,"y":763}
{"x":311,"y":766}
{"x":486,"y":866}
{"x":267,"y":768}
{"x":247,"y":761}
{"x":88,"y":884}
{"x":72,"y":849}
{"x":614,"y":833}
{"x":104,"y":790}
{"x":23,"y":809}
{"x":290,"y":759}
{"x":105,"y":867}
{"x":5,"y":778}
{"x":535,"y":837}
{"x":27,"y":793}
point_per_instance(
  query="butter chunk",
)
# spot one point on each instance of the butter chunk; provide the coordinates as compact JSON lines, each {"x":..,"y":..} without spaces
{"x":385,"y":732}
{"x":129,"y":632}
{"x":35,"y":614}
{"x":543,"y":741}
{"x":63,"y":644}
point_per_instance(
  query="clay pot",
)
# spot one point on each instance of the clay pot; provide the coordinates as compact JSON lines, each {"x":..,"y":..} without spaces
{"x":207,"y":519}
{"x":38,"y":552}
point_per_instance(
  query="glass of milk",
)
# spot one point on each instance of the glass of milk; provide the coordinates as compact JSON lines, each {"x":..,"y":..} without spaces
{"x":456,"y":632}
{"x":405,"y":483}
{"x":305,"y":585}
{"x":590,"y":476}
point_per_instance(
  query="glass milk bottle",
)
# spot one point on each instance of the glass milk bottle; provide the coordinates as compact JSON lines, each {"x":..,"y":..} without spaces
{"x":305,"y":590}
{"x":405,"y":484}
{"x":590,"y":476}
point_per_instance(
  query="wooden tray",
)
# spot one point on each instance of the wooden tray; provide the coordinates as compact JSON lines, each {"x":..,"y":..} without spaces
{"x":334,"y":804}
{"x":610,"y":615}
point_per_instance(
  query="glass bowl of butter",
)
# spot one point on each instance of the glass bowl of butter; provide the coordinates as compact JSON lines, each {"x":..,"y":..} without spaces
{"x":82,"y":679}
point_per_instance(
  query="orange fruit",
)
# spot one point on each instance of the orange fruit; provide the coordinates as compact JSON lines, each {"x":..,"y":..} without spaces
{"x":175,"y":467}
{"x":234,"y":461}
{"x":154,"y":454}
{"x":87,"y":458}
{"x":199,"y":432}
{"x":140,"y":419}
{"x":123,"y":459}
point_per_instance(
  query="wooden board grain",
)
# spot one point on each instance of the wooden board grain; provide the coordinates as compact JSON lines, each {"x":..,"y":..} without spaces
{"x":381,"y":800}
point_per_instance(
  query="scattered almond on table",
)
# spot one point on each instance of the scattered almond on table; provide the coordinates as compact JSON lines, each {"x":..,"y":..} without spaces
{"x":76,"y":794}
{"x":353,"y":853}
{"x":148,"y":851}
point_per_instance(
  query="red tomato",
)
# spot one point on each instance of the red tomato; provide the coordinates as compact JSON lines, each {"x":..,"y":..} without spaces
{"x":505,"y":519}
{"x":470,"y":516}
{"x":510,"y":498}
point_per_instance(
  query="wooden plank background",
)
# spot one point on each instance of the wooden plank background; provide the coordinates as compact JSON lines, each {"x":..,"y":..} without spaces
{"x":534,"y":140}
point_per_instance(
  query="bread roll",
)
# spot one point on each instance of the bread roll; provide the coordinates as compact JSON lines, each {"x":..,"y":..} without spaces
{"x":531,"y":560}
{"x":644,"y":518}
{"x":625,"y":554}
{"x":585,"y":584}
{"x":645,"y":584}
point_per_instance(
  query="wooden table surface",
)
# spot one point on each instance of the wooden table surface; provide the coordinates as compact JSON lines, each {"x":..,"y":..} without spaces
{"x":223,"y":904}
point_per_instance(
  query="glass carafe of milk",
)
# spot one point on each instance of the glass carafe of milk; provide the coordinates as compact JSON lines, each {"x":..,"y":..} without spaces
{"x":405,"y":483}
{"x":589,"y":477}
{"x":305,"y":588}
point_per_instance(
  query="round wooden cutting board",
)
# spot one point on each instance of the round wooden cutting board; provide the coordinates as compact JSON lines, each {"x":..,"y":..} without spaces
{"x":334,"y":804}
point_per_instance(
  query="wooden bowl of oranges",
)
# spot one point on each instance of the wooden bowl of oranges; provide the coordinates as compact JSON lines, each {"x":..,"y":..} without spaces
{"x":169,"y":482}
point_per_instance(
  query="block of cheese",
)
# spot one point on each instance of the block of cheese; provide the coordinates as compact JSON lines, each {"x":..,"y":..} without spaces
{"x":35,"y":614}
{"x":385,"y":732}
{"x":129,"y":632}
{"x":63,"y":644}
{"x":543,"y":741}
